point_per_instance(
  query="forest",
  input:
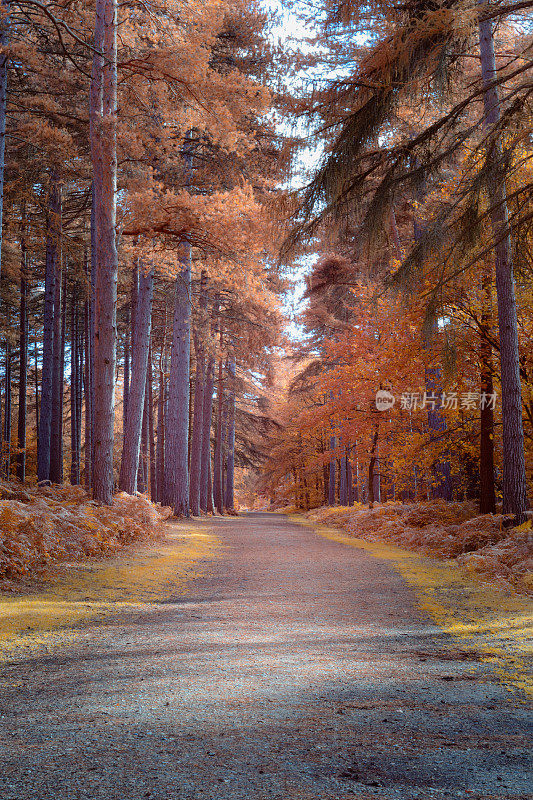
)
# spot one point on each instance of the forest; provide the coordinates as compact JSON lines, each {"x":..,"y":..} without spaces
{"x":173,"y":179}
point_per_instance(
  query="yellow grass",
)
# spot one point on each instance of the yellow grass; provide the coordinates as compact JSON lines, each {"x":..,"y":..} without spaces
{"x":480,"y":616}
{"x":135,"y":579}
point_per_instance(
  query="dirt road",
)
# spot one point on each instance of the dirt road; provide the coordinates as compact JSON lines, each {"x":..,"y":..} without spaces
{"x":295,"y":669}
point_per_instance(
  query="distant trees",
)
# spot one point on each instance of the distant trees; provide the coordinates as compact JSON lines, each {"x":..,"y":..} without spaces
{"x":420,"y":134}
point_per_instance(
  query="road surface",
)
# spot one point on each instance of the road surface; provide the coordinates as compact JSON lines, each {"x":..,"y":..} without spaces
{"x":295,"y":669}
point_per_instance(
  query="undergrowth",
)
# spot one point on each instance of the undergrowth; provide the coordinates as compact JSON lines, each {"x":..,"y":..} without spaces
{"x":480,"y":544}
{"x":40,"y":526}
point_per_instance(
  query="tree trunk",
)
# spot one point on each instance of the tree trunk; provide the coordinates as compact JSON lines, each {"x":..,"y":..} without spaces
{"x":140,"y":353}
{"x":217,"y":480}
{"x":75,"y":420}
{"x":514,"y":475}
{"x":160,"y":454}
{"x":343,"y":488}
{"x":103,"y":134}
{"x":205,"y":465}
{"x":197,"y":422}
{"x":125,"y":395}
{"x":206,"y":433}
{"x":23,"y":358}
{"x":7,"y":409}
{"x":151,"y":431}
{"x":4,"y":38}
{"x":176,"y":484}
{"x":88,"y":454}
{"x":372,"y":467}
{"x":487,"y":494}
{"x":332,"y":471}
{"x":229,"y":498}
{"x":56,"y":436}
{"x":52,"y":255}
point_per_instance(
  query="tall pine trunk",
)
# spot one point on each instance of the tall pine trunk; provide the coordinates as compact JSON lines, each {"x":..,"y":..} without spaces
{"x":52,"y":255}
{"x":205,"y":466}
{"x":56,"y":435}
{"x":514,"y":475}
{"x":136,"y":401}
{"x":87,"y":379}
{"x":229,"y":495}
{"x":176,"y":481}
{"x":160,"y":452}
{"x":487,"y":494}
{"x":74,"y":378}
{"x":219,"y":462}
{"x":4,"y":38}
{"x":197,"y":420}
{"x":103,"y":134}
{"x":150,"y":428}
{"x":23,"y":358}
{"x":7,"y":409}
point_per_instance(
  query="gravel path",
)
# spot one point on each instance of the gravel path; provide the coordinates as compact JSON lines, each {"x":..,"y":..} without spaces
{"x":295,"y":669}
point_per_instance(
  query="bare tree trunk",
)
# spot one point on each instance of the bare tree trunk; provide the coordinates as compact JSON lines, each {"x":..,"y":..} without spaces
{"x":7,"y":408}
{"x":4,"y":38}
{"x":210,"y":502}
{"x":23,"y":357}
{"x":197,"y":422}
{"x":75,"y":420}
{"x":52,"y":255}
{"x":103,"y":130}
{"x":176,"y":483}
{"x":125,"y":395}
{"x":229,"y":498}
{"x":217,"y":481}
{"x":514,"y":475}
{"x":343,"y":488}
{"x":371,"y":468}
{"x":206,"y":431}
{"x":487,"y":494}
{"x":88,"y":455}
{"x":151,"y":431}
{"x":160,"y":454}
{"x":332,"y":471}
{"x":56,"y":435}
{"x":207,"y":419}
{"x":140,"y":353}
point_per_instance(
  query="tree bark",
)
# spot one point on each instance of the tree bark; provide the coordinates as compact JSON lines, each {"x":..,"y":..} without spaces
{"x":332,"y":471}
{"x":151,"y":431}
{"x":56,"y":436}
{"x":125,"y":395}
{"x":140,"y":353}
{"x":229,"y":498}
{"x":75,"y":420}
{"x":176,"y":483}
{"x":52,"y":255}
{"x":487,"y":494}
{"x":88,"y":453}
{"x":371,"y":468}
{"x":4,"y":38}
{"x":218,"y":470}
{"x":103,"y":134}
{"x":515,"y":500}
{"x":23,"y":357}
{"x":205,"y":465}
{"x":160,"y":454}
{"x":197,"y":422}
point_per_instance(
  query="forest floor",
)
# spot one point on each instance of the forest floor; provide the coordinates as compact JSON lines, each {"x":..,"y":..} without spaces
{"x":255,"y":658}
